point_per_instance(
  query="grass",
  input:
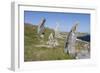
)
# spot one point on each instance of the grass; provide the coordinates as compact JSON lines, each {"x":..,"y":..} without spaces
{"x":33,"y":53}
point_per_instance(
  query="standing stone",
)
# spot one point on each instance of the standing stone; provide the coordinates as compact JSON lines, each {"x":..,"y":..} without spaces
{"x":52,"y":42}
{"x":70,"y":41}
{"x":41,"y":28}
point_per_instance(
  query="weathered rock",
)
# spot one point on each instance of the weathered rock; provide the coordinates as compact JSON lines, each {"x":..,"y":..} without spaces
{"x":41,"y":28}
{"x":83,"y":54}
{"x":52,"y":42}
{"x":70,"y":41}
{"x":82,"y":49}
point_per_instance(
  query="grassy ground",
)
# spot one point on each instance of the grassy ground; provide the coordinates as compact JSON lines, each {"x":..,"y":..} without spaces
{"x":34,"y":53}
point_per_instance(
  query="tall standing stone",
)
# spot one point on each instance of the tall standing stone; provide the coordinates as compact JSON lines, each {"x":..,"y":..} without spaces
{"x":41,"y":28}
{"x":70,"y":41}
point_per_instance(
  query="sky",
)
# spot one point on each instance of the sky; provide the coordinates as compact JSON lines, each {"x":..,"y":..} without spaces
{"x":65,"y":20}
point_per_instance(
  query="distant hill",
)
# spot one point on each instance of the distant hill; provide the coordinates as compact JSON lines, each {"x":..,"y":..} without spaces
{"x":85,"y":37}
